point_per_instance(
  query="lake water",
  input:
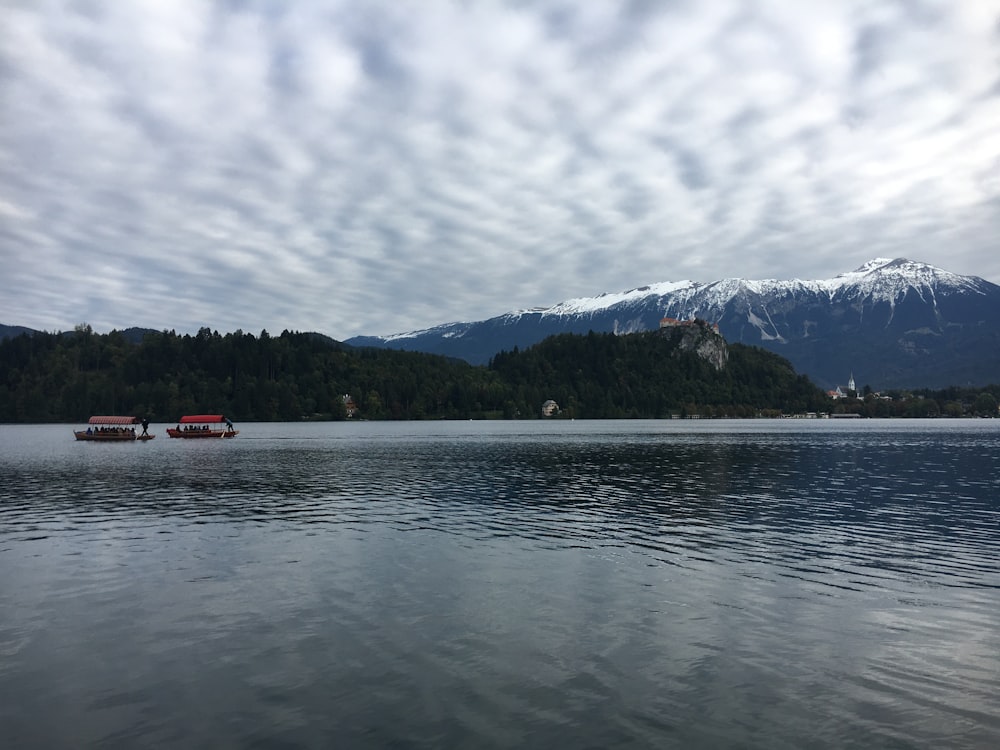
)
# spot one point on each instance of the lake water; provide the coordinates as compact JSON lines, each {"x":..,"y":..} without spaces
{"x":751,"y":584}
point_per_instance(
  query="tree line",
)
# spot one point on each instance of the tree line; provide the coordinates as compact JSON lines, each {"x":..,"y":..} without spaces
{"x":644,"y":375}
{"x":67,"y":377}
{"x":954,"y":401}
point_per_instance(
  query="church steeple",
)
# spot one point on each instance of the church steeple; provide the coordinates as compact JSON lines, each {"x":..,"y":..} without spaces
{"x":850,"y":383}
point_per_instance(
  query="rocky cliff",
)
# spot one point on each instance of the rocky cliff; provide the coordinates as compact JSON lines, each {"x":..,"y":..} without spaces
{"x":700,"y":337}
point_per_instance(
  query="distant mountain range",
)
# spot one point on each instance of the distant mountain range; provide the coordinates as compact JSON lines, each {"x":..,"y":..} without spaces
{"x":7,"y":332}
{"x":892,"y":323}
{"x":132,"y":335}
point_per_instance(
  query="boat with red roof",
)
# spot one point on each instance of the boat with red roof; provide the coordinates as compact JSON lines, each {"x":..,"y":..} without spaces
{"x":195,"y":426}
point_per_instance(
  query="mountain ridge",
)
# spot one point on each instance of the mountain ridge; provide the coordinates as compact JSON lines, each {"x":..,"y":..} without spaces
{"x":879,"y":320}
{"x":925,"y":274}
{"x":893,"y":322}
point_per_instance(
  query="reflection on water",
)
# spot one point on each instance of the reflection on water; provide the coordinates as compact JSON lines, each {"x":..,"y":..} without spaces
{"x":751,"y":584}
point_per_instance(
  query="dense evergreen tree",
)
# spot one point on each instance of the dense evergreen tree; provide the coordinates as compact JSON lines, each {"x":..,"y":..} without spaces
{"x":67,"y":377}
{"x":644,"y":375}
{"x":60,"y":377}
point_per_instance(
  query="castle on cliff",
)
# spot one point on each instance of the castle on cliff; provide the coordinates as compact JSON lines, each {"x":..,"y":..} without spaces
{"x":675,"y":323}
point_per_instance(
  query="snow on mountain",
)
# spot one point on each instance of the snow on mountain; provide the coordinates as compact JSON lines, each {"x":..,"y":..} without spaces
{"x":446,"y":330}
{"x":879,"y":280}
{"x":888,"y":279}
{"x":894,"y":321}
{"x":584,"y":305}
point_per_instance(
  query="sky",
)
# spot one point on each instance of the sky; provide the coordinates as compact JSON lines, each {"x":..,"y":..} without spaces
{"x":369,"y":168}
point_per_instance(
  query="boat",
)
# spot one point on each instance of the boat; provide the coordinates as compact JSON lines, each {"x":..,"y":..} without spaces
{"x":195,"y":426}
{"x":113,"y":429}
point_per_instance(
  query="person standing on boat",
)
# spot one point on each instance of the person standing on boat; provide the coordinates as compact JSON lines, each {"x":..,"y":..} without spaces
{"x":145,"y":426}
{"x":229,"y":424}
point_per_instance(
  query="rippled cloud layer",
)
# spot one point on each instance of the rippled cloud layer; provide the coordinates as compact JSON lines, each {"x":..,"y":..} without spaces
{"x":373,"y":168}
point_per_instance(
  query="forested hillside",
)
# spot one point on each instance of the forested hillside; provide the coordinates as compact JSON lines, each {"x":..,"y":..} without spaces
{"x":66,"y":377}
{"x":602,"y":375}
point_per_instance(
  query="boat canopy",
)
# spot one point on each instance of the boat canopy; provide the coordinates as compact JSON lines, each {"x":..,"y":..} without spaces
{"x":114,"y":420}
{"x":203,"y":419}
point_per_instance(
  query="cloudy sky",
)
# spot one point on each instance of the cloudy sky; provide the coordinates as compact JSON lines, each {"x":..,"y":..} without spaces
{"x":377,"y":167}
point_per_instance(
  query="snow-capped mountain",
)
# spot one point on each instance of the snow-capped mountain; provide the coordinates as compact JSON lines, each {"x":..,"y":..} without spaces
{"x":891,"y":322}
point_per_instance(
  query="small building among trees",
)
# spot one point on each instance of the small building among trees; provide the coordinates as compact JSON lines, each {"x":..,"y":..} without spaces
{"x":350,"y":408}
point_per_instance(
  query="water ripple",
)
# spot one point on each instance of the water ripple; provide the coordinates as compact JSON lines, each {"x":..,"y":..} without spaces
{"x":496,"y":585}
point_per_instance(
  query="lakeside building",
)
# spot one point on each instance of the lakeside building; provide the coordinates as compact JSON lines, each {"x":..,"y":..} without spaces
{"x":350,"y":408}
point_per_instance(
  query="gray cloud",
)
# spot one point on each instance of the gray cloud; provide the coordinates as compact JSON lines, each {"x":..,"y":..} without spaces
{"x":318,"y":166}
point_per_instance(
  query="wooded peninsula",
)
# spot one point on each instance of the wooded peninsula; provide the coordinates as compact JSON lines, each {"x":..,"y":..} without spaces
{"x":67,"y":377}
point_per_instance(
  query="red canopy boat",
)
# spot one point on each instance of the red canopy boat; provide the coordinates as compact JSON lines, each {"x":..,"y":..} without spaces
{"x":203,"y":426}
{"x":112,"y":429}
